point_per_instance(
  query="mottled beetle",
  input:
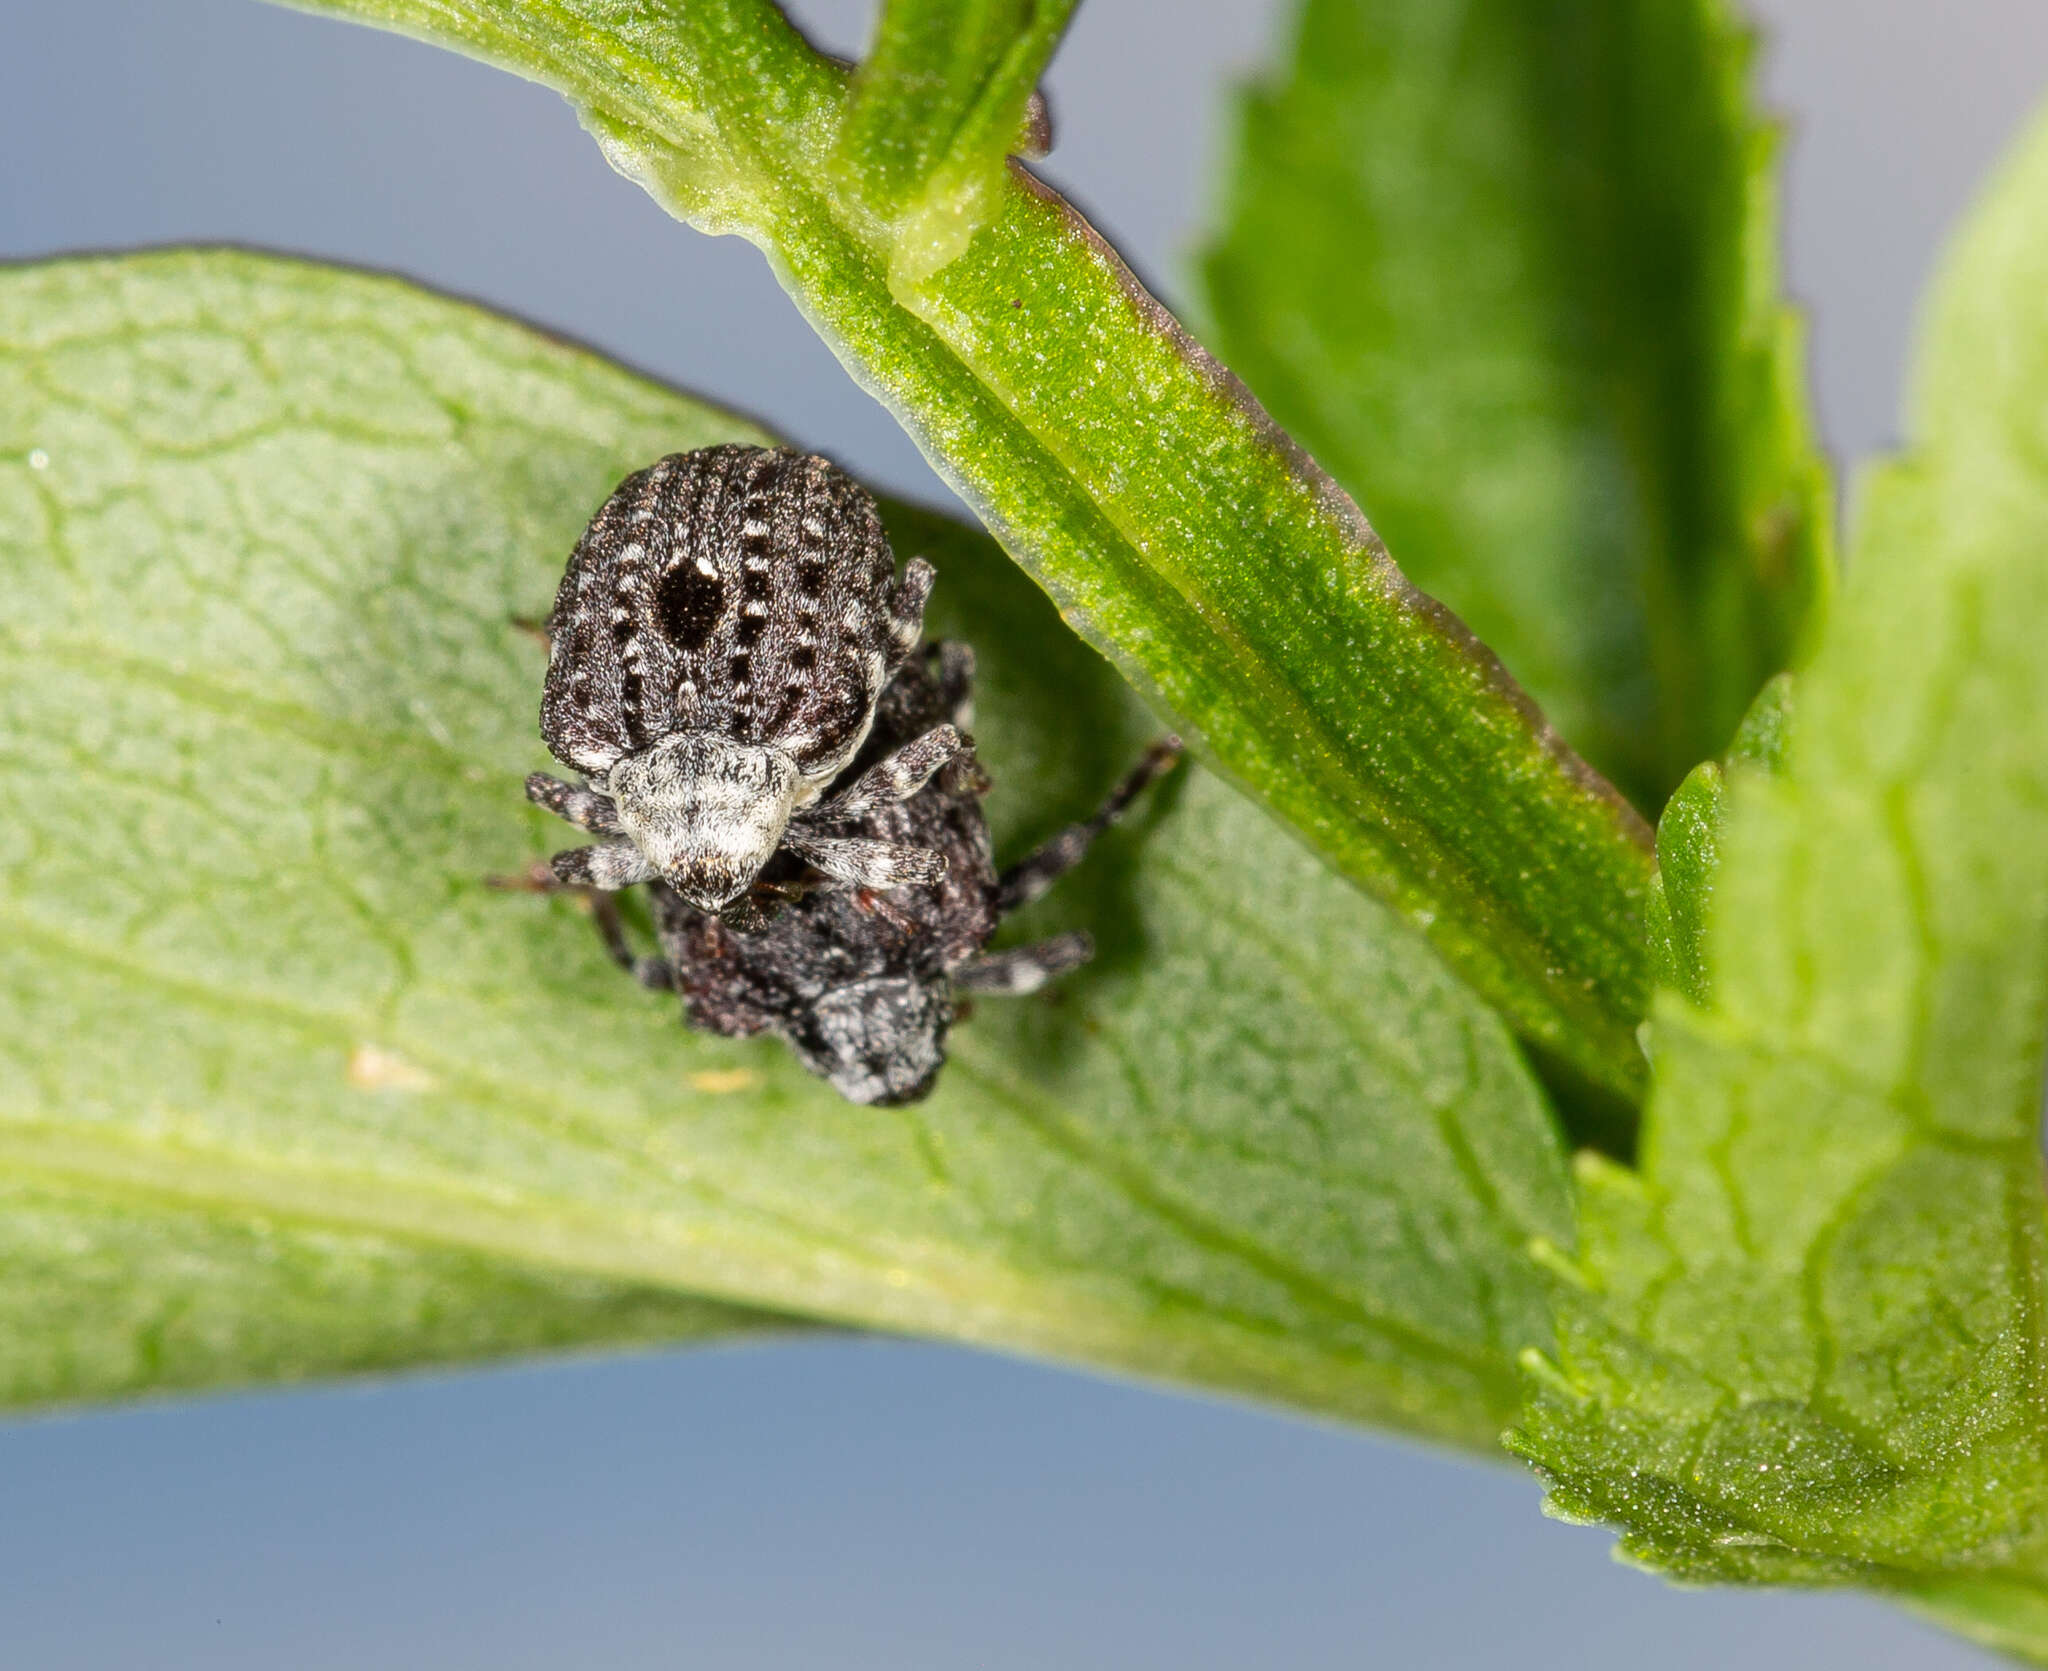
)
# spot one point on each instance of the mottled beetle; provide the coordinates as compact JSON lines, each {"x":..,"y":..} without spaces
{"x":717,"y":645}
{"x":863,"y":985}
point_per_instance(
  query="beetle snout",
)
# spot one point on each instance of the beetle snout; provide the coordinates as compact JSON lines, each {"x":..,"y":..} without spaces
{"x":707,"y":812}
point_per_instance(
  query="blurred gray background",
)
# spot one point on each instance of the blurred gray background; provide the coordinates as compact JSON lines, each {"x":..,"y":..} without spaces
{"x":856,"y":1503}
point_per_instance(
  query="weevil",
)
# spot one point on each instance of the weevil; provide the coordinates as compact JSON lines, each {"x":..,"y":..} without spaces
{"x":865,"y":985}
{"x":717,"y":646}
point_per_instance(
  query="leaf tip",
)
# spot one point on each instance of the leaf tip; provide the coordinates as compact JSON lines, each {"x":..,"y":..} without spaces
{"x":1546,"y":1255}
{"x":1546,"y":1376}
{"x":1593,"y":1170}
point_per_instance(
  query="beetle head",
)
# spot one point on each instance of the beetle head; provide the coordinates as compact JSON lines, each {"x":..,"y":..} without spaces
{"x":707,"y":812}
{"x":880,"y":1041}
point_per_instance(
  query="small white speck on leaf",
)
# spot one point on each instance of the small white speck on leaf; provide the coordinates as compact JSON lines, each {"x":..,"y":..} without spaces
{"x":373,"y":1069}
{"x":722,"y":1081}
{"x":38,"y":459}
{"x":430,"y":722}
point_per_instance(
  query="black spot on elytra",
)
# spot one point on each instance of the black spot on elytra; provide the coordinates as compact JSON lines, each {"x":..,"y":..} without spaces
{"x":749,"y":631}
{"x":688,"y":603}
{"x":630,"y":696}
{"x":756,"y":583}
{"x":810,"y":577}
{"x":803,"y":658}
{"x":742,"y":669}
{"x":631,"y":708}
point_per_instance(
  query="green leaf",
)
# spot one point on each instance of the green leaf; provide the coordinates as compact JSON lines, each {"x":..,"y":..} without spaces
{"x":105,"y":1293}
{"x":1807,"y":1342}
{"x":1689,"y":846}
{"x":1177,"y":529}
{"x":1511,"y":272}
{"x":937,"y":106}
{"x":266,"y":529}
